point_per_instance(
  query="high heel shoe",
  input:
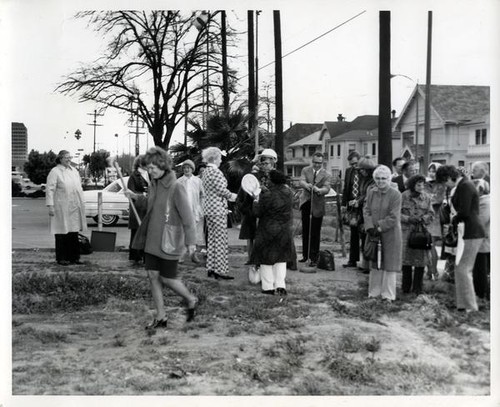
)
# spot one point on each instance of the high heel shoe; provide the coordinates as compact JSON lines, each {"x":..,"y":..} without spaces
{"x":222,"y":276}
{"x":210,"y":273}
{"x":190,"y":312}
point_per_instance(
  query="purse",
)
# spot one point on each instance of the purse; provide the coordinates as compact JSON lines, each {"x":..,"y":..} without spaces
{"x":326,"y":260}
{"x":450,"y":238}
{"x":172,"y":239}
{"x":254,"y":275}
{"x":370,"y":251}
{"x":420,"y":238}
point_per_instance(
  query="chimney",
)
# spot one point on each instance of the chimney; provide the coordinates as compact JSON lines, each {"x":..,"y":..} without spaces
{"x":340,"y":118}
{"x":393,"y":113}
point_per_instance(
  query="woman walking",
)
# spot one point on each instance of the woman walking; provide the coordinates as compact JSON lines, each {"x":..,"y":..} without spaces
{"x":273,"y":246}
{"x":416,"y":209}
{"x":215,"y":209}
{"x":167,"y":204}
{"x":382,"y":217}
{"x":64,"y":199}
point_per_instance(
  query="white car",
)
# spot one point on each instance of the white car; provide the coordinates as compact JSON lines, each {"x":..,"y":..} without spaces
{"x":115,"y":204}
{"x":28,"y":186}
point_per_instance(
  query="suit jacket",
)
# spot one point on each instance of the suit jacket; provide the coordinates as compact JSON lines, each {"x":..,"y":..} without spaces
{"x":322,"y":181}
{"x":465,"y":200}
{"x":401,"y":183}
{"x":348,"y":181}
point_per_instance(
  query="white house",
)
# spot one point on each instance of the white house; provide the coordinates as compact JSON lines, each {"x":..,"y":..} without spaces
{"x":300,"y":152}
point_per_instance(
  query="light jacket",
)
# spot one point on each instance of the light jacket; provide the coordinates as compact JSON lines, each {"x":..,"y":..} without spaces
{"x":322,"y":181}
{"x":64,"y":192}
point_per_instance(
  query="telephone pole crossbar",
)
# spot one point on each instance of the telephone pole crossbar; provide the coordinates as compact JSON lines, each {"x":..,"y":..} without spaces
{"x":94,"y":123}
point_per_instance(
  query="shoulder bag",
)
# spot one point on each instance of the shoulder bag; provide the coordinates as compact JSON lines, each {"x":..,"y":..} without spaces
{"x":172,"y":239}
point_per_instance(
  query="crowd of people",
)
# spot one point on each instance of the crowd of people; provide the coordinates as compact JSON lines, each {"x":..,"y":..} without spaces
{"x":397,"y":221}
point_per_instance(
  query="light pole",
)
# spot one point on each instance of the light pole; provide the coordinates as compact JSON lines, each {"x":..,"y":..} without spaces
{"x":416,"y":115}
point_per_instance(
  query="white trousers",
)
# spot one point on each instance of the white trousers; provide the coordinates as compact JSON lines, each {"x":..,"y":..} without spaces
{"x":273,"y":277}
{"x":382,"y":283}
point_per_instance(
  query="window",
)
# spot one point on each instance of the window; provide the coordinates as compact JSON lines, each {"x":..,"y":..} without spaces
{"x":338,"y":150}
{"x":312,"y":150}
{"x":365,"y":148}
{"x":293,"y":152}
{"x":374,"y":149}
{"x":303,"y":151}
{"x":352,"y":147}
{"x":461,"y":163}
{"x":481,"y":136}
{"x":289,"y":170}
{"x":331,"y":150}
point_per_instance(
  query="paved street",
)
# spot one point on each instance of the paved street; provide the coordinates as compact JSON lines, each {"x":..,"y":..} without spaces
{"x":30,"y":227}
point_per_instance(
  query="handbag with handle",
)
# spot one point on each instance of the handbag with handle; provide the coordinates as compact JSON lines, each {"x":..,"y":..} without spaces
{"x":326,"y":260}
{"x":172,"y":239}
{"x":370,"y":251}
{"x":420,"y":238}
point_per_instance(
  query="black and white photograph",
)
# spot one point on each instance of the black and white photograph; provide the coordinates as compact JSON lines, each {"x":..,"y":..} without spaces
{"x":282,"y":203}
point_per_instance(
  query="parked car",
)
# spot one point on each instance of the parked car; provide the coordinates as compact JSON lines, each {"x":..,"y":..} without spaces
{"x":28,"y":187}
{"x":115,"y":204}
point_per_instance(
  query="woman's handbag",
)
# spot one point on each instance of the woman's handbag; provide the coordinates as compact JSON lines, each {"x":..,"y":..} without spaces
{"x":370,"y":251}
{"x":172,"y":239}
{"x":351,"y":217}
{"x":326,"y":260}
{"x":420,"y":238}
{"x":254,"y":275}
{"x":450,"y":238}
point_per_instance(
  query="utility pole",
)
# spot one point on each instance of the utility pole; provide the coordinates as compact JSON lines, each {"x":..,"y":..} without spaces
{"x":278,"y":143}
{"x":225,"y":85}
{"x":207,"y":71}
{"x":427,"y":132}
{"x":256,"y":111}
{"x":251,"y":71}
{"x":384,"y":101}
{"x":136,"y":132}
{"x":94,"y":123}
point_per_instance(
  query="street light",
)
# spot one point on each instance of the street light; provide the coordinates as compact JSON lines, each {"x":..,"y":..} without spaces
{"x":416,"y":116}
{"x":116,"y":135}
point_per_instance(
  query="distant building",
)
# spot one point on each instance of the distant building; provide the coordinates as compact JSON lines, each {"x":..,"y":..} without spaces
{"x":299,"y":154}
{"x":459,"y":122}
{"x":19,"y":146}
{"x":296,"y":132}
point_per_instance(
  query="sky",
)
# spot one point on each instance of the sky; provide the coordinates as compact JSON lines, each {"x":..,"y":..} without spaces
{"x":336,"y":74}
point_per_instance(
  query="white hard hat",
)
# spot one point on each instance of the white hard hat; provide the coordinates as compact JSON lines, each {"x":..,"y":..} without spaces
{"x":269,"y":152}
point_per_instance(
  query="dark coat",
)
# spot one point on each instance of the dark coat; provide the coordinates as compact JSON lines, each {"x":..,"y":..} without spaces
{"x":399,"y":180}
{"x":348,"y":181}
{"x":244,"y":204}
{"x":136,"y":183}
{"x":465,"y":200}
{"x":274,"y":237}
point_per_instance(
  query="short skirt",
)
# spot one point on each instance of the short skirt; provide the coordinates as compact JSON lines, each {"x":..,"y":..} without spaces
{"x":167,"y":268}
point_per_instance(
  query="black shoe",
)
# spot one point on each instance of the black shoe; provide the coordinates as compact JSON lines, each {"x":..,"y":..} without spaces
{"x":270,"y":292}
{"x":366,"y":271}
{"x":303,"y":260}
{"x":281,"y":291}
{"x":63,"y":263}
{"x":78,"y":262}
{"x":313,"y":264}
{"x":157,"y":323}
{"x":210,"y":273}
{"x":222,"y":276}
{"x":349,"y":264}
{"x":190,"y":312}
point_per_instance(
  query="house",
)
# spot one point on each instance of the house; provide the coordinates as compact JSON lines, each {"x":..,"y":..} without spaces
{"x":459,"y":123}
{"x":300,"y":152}
{"x":297,"y":132}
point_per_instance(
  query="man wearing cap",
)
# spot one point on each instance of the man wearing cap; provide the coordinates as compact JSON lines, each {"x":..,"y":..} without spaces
{"x":194,"y":189}
{"x":315,"y":184}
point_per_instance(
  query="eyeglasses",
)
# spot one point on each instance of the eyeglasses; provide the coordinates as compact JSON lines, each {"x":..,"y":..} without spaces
{"x":69,"y":157}
{"x":381,"y":178}
{"x":317,"y":162}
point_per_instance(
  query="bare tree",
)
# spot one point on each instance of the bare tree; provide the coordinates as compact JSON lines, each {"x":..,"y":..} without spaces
{"x":154,"y":61}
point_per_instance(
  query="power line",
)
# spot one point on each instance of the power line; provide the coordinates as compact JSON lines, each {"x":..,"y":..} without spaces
{"x":313,"y":40}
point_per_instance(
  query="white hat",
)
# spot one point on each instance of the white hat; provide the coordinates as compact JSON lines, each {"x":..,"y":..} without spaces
{"x":269,"y":152}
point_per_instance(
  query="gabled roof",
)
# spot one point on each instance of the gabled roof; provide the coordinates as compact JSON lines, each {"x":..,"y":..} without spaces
{"x":454,"y":103}
{"x":358,"y":135}
{"x":366,"y":122}
{"x":310,"y":140}
{"x":298,"y":131}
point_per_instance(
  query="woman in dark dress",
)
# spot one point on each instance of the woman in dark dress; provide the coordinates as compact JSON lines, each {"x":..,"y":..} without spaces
{"x":273,"y":246}
{"x":138,"y":183}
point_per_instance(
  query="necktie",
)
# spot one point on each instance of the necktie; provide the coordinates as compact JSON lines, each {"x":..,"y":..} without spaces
{"x":355,"y":185}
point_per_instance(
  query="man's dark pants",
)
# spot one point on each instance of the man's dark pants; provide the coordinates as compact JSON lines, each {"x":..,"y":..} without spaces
{"x":315,"y":232}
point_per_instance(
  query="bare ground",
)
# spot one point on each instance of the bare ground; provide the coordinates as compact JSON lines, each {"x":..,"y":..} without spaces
{"x":79,"y":331}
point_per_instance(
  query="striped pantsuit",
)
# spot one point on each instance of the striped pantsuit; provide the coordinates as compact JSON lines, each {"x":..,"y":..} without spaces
{"x":217,"y":244}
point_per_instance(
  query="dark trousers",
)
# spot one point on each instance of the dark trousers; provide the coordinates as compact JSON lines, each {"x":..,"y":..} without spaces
{"x":312,"y":252}
{"x":354,"y":245}
{"x":480,"y":274}
{"x":67,"y":247}
{"x":134,"y":254}
{"x":412,"y":280}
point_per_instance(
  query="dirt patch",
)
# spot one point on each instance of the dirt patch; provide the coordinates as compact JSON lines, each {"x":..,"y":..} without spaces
{"x":79,"y":331}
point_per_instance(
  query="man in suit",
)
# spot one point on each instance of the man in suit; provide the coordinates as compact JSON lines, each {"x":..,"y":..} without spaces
{"x":408,"y":169}
{"x":316,"y":181}
{"x":350,"y":195}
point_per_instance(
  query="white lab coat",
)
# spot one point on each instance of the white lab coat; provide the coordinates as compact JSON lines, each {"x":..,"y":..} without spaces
{"x":64,"y":191}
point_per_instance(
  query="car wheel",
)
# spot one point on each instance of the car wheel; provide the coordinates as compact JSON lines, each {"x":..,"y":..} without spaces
{"x":107,"y":220}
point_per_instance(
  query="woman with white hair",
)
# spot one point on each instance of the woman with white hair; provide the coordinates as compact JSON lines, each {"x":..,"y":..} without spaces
{"x":382,"y":217}
{"x":215,"y":209}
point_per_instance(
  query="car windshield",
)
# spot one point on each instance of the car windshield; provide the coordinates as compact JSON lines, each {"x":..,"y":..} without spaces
{"x":114,"y":187}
